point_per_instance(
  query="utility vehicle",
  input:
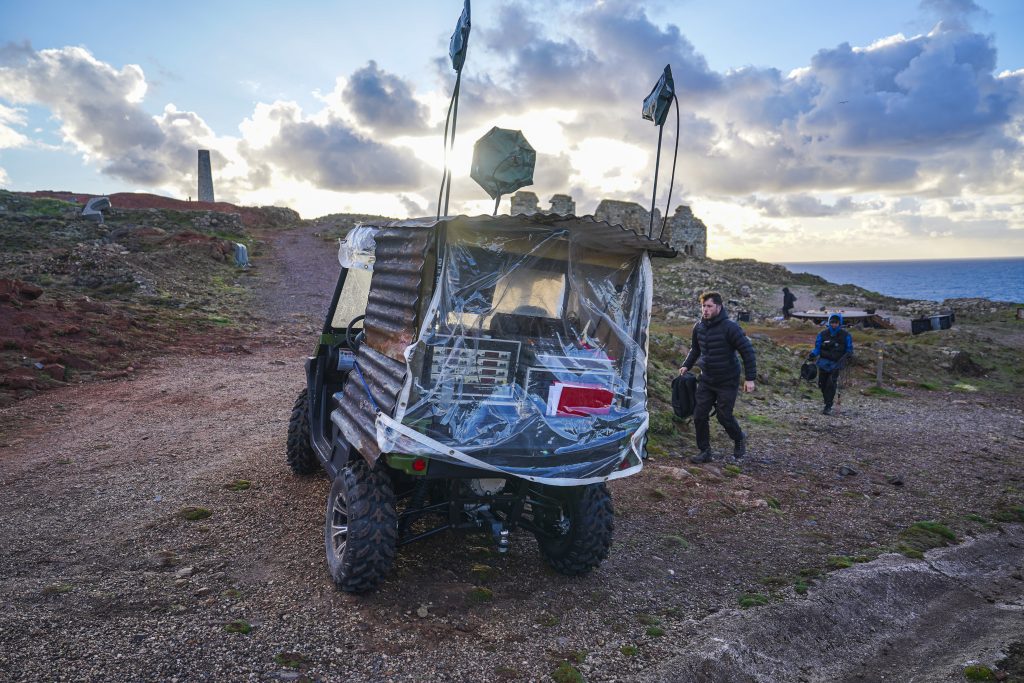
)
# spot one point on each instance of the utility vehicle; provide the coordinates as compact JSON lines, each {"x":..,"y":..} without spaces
{"x":477,"y":373}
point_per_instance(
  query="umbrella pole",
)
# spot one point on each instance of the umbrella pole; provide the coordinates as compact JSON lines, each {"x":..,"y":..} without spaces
{"x":654,"y":195}
{"x":497,"y":200}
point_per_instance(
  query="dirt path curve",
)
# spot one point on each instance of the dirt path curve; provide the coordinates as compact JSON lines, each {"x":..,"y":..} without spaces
{"x":106,"y":578}
{"x":301,"y":278}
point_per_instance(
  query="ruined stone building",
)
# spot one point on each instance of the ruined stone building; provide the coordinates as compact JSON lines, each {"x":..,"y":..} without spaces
{"x":526,"y":202}
{"x":686,"y":233}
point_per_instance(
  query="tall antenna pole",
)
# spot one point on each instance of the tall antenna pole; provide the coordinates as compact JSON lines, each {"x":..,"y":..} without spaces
{"x":655,"y":108}
{"x":457,"y":48}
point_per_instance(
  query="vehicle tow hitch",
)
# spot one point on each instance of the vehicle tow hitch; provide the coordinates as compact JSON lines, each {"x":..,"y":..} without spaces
{"x":498,"y":530}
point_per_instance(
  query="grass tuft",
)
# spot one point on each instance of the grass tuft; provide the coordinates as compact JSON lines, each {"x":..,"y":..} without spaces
{"x":749,"y":600}
{"x":290,"y":660}
{"x":840,"y":561}
{"x":979,"y":672}
{"x":920,"y":537}
{"x":194,"y":514}
{"x":1009,"y":514}
{"x":674,"y":541}
{"x":881,"y":392}
{"x":238,"y":626}
{"x":567,"y":673}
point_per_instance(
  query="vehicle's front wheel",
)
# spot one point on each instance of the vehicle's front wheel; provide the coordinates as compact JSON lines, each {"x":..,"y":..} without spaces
{"x":301,"y":457}
{"x":361,"y":529}
{"x":578,"y":540}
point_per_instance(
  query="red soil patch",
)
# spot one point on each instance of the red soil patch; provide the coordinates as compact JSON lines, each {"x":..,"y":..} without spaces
{"x":251,"y":216}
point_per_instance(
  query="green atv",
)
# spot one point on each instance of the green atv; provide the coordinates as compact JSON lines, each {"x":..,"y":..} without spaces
{"x":480,"y":374}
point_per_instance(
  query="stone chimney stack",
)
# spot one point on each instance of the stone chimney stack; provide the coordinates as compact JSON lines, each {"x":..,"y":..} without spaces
{"x":563,"y":205}
{"x":525,"y":202}
{"x":205,"y":177}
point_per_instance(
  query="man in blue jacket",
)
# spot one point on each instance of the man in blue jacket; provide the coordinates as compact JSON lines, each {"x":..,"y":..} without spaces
{"x":715,"y":342}
{"x":833,"y":349}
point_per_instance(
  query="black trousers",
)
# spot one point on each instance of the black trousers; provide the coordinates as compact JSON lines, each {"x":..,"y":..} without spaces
{"x":827,"y":380}
{"x":723,"y":398}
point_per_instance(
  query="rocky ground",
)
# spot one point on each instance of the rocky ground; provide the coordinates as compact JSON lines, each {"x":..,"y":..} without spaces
{"x":153,"y":532}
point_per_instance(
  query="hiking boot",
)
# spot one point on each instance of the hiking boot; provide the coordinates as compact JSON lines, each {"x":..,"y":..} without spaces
{"x":827,"y":410}
{"x":704,"y":456}
{"x":740,"y":449}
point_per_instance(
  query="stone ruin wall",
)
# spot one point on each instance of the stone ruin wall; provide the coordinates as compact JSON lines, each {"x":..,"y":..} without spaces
{"x":526,"y":202}
{"x":686,"y":233}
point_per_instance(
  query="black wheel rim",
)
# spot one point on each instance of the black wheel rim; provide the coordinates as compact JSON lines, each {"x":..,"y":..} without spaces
{"x":339,"y":525}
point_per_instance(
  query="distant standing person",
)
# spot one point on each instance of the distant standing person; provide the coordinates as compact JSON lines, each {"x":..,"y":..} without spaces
{"x":833,"y":349}
{"x":714,"y":345}
{"x":788,"y":299}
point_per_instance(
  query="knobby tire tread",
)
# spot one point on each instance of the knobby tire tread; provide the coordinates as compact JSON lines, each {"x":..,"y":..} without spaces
{"x":589,"y":539}
{"x":301,"y":457}
{"x":372,"y":529}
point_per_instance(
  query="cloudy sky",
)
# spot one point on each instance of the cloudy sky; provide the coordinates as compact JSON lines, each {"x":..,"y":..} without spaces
{"x":809,"y":129}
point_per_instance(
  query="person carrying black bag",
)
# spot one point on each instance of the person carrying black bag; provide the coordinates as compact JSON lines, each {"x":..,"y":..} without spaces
{"x":788,"y":299}
{"x":715,"y":342}
{"x":833,"y":348}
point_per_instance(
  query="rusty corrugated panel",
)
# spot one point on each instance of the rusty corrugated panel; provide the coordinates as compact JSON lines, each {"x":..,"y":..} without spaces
{"x":391,"y":313}
{"x":391,"y":325}
{"x":357,"y":416}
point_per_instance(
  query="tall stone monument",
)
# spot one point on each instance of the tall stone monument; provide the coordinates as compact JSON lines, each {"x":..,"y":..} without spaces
{"x":205,"y":177}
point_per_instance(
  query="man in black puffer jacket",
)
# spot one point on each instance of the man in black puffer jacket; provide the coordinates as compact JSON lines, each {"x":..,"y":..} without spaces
{"x":716,"y":340}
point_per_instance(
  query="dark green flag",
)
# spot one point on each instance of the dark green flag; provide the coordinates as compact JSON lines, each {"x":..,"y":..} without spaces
{"x":656,"y":105}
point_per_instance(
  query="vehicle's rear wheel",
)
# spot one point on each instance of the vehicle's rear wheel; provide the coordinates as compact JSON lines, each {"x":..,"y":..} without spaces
{"x":361,"y":529}
{"x":301,"y":457}
{"x":579,"y":539}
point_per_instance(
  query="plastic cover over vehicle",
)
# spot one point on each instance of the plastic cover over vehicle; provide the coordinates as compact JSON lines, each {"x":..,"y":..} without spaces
{"x":531,"y":358}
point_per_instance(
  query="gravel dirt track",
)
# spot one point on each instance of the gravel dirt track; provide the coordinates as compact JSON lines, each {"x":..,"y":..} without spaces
{"x":104,"y":579}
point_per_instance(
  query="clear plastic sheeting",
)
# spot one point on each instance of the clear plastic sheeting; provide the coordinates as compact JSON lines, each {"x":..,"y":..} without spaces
{"x":357,"y":248}
{"x":531,"y":359}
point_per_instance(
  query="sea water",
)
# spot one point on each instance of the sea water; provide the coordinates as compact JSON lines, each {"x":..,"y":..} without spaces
{"x":999,"y":279}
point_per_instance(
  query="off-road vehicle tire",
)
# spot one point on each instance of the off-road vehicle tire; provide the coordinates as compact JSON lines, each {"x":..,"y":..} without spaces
{"x":361,"y":528}
{"x":301,"y":457}
{"x":586,"y":542}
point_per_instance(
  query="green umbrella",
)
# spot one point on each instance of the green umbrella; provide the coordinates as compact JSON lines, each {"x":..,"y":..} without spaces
{"x":503,"y":162}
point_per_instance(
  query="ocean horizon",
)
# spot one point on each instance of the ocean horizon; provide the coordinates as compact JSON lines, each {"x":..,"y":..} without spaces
{"x":998,"y":279}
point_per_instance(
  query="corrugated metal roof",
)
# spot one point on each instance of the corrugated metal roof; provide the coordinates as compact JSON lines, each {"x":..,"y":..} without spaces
{"x":596,"y":234}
